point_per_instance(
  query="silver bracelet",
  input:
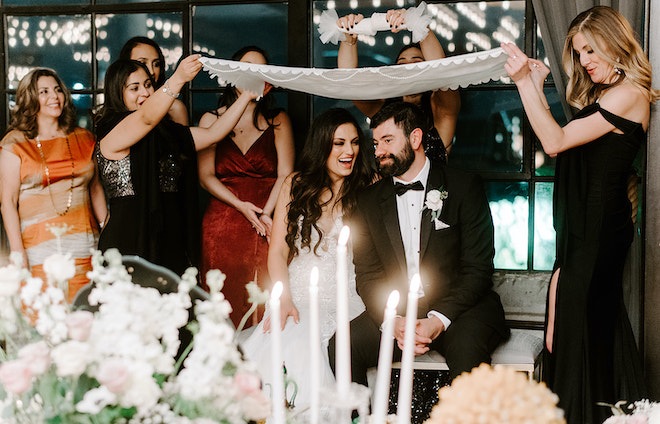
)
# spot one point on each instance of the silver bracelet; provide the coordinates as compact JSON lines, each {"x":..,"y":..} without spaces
{"x":166,"y":90}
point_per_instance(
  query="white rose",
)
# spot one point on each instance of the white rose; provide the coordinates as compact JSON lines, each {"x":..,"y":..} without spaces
{"x":95,"y":400}
{"x":433,"y":200}
{"x":59,"y":268}
{"x":71,"y":358}
{"x":10,"y":280}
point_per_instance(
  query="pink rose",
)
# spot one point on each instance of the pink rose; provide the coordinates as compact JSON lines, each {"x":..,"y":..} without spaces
{"x":114,"y":375}
{"x":637,"y":419}
{"x":15,"y":376}
{"x":246,"y":383}
{"x":79,"y":324}
{"x":37,"y":357}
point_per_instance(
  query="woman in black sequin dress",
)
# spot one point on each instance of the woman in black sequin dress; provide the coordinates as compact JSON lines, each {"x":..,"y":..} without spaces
{"x":591,"y":355}
{"x":148,"y":164}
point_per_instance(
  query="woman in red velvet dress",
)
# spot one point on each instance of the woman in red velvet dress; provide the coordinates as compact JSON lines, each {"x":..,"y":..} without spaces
{"x":243,"y":173}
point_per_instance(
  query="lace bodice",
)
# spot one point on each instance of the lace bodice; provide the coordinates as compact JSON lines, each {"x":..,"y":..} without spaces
{"x":326,"y":261}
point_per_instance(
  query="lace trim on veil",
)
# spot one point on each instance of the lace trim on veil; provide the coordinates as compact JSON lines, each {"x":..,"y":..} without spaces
{"x":369,"y":83}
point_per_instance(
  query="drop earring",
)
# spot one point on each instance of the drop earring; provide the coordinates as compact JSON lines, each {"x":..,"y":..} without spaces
{"x":618,"y":70}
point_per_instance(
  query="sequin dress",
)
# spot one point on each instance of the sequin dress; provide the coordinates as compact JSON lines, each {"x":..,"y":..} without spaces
{"x":40,"y":205}
{"x":153,"y":196}
{"x":295,"y":337}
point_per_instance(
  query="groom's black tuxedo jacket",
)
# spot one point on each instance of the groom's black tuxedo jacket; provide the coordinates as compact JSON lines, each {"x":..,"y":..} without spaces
{"x":456,"y":263}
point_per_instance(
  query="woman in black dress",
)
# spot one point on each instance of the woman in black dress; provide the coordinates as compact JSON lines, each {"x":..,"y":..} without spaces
{"x":591,"y":353}
{"x":148,"y":164}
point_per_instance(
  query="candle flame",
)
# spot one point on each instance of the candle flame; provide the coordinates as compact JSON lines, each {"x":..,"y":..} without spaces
{"x":314,"y":277}
{"x":393,"y":300}
{"x":343,"y":235}
{"x":277,"y":291}
{"x":415,"y":283}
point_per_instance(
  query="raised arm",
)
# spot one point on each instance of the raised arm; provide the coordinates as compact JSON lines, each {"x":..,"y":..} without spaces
{"x":528,"y":74}
{"x":445,"y":104}
{"x":347,"y":57}
{"x":278,"y":255}
{"x":221,"y":127}
{"x":117,"y":143}
{"x":178,"y":113}
{"x":285,"y":158}
{"x":10,"y":179}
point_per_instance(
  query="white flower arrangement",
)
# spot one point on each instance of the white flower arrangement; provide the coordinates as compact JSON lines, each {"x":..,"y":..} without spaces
{"x":496,"y":395}
{"x":641,"y":412}
{"x":119,"y":365}
{"x":434,"y":202}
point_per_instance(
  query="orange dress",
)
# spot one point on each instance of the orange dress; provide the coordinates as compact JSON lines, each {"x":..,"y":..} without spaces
{"x":40,"y":205}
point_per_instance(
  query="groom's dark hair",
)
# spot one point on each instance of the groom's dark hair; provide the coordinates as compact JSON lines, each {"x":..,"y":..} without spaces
{"x":406,"y":116}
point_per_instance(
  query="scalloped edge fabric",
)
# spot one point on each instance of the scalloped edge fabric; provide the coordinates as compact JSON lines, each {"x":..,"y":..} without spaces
{"x":370,"y":83}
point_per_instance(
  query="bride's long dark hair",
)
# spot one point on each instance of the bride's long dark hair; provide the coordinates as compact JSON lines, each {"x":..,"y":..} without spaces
{"x":312,"y":180}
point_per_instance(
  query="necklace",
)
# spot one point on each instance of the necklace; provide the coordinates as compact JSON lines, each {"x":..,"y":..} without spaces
{"x":47,"y":172}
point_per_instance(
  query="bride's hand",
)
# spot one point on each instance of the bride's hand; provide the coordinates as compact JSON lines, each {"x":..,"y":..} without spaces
{"x":287,"y":309}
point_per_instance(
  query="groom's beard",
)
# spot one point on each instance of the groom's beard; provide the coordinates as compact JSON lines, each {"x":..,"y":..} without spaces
{"x":399,"y":163}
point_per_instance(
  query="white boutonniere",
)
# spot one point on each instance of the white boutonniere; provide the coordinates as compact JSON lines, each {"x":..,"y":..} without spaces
{"x":434,"y":202}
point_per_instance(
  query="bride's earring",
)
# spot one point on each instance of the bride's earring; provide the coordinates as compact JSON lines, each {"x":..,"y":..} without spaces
{"x":618,"y":70}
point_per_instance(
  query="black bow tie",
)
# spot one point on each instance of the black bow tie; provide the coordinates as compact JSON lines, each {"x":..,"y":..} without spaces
{"x":400,"y":188}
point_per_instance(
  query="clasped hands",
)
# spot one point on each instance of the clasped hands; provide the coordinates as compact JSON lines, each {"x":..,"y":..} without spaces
{"x":519,"y":66}
{"x":426,"y":330}
{"x":395,"y":18}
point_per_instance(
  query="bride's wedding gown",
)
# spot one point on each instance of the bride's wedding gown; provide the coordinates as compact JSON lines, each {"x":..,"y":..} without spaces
{"x":295,"y":337}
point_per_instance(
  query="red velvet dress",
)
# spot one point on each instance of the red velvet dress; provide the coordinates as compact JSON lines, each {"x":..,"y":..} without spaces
{"x":229,"y":243}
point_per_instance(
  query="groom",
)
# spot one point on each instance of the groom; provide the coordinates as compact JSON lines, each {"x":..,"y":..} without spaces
{"x":423,"y":217}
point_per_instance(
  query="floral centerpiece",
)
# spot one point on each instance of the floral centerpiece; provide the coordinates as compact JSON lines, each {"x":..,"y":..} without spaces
{"x":496,"y":395}
{"x":640,"y":412}
{"x":120,"y":364}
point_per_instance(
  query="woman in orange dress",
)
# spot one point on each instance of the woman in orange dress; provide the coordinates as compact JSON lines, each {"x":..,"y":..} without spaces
{"x":48,"y":178}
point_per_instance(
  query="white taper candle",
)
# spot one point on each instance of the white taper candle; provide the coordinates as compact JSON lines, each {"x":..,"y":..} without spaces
{"x":382,"y":392}
{"x":406,"y":376}
{"x":277,"y":374}
{"x":315,"y":345}
{"x":343,"y":335}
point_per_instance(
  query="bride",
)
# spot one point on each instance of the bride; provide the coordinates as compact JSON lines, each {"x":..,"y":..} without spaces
{"x":307,"y":220}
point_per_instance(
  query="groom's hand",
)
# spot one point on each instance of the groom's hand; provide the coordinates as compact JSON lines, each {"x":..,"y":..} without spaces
{"x":421,"y":341}
{"x":430,"y":328}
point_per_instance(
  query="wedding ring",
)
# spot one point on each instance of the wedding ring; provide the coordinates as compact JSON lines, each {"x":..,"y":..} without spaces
{"x":515,"y":57}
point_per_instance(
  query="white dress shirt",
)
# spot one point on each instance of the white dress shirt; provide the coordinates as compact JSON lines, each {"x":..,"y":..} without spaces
{"x":409,"y":207}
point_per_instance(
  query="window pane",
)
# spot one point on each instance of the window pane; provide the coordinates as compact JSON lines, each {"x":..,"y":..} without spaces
{"x":43,"y":2}
{"x":240,"y":25}
{"x":59,"y":42}
{"x":114,"y":30}
{"x":509,"y":205}
{"x":489,"y":132}
{"x":544,"y":232}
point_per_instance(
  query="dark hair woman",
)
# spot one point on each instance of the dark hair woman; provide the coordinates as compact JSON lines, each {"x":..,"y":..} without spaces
{"x":440,"y":107}
{"x":147,"y":51}
{"x":308,"y":218}
{"x":243,"y":173}
{"x":148,"y":165}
